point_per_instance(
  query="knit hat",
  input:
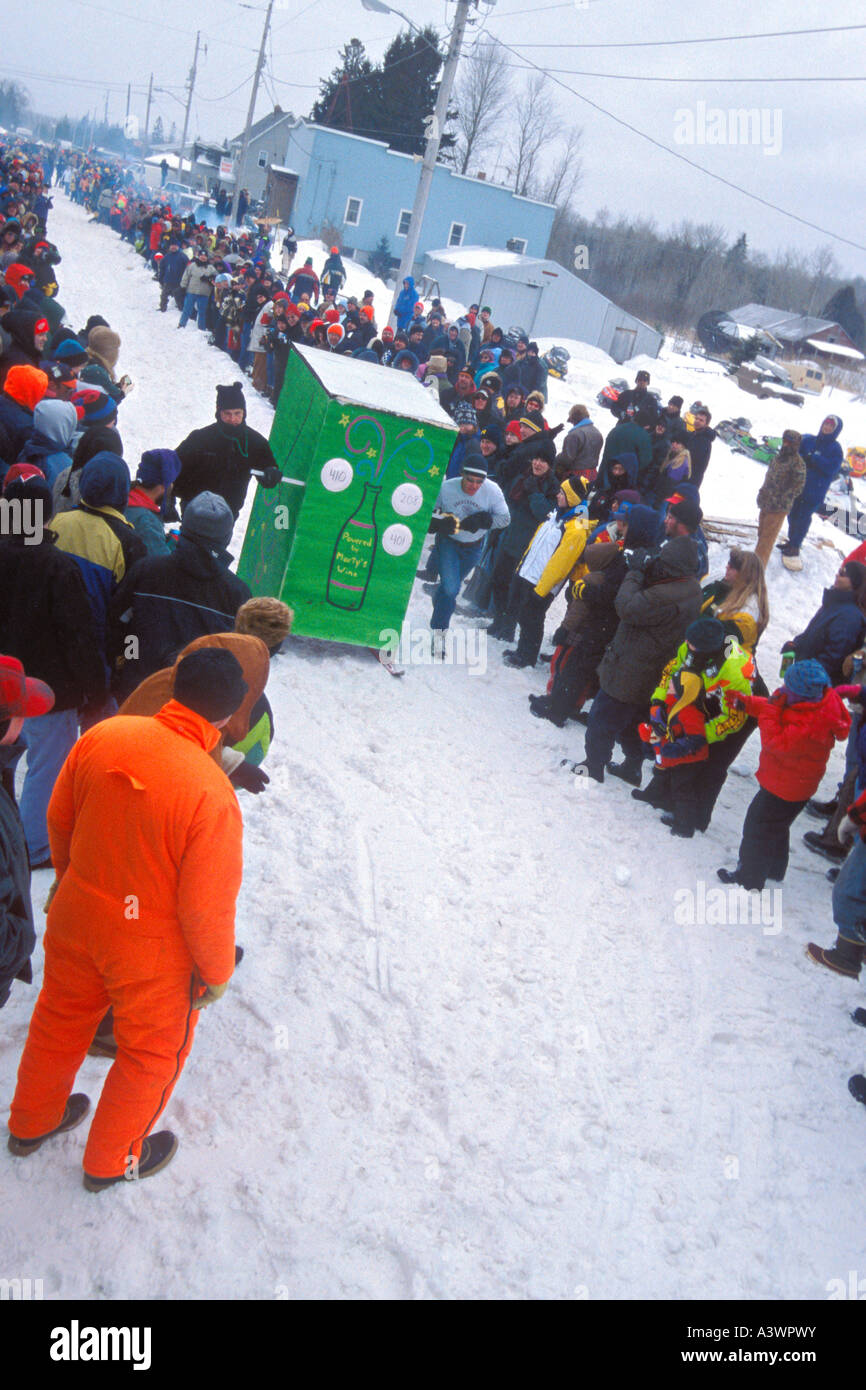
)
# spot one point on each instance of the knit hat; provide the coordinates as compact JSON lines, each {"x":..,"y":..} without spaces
{"x":24,"y":471}
{"x":626,"y":497}
{"x":464,"y":414}
{"x":806,"y":680}
{"x":387,"y":334}
{"x":105,"y":481}
{"x":336,"y":332}
{"x":527,"y":423}
{"x":25,"y":385}
{"x":513,"y":429}
{"x":208,"y":520}
{"x":367,"y":311}
{"x":97,"y":405}
{"x":706,"y":635}
{"x":331,"y":316}
{"x":574,"y":489}
{"x":267,"y":618}
{"x":437,"y":364}
{"x":21,"y":697}
{"x":158,"y":466}
{"x":231,"y":398}
{"x":474,"y":463}
{"x":210,"y":681}
{"x":856,"y":573}
{"x":70,"y":352}
{"x":687,"y":512}
{"x":105,"y":343}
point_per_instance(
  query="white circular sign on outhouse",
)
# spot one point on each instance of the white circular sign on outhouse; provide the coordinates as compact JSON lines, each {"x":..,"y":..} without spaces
{"x":406,"y":499}
{"x":337,"y":474}
{"x":397,"y":539}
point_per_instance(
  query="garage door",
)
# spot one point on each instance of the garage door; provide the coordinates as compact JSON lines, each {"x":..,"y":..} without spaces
{"x":511,"y":303}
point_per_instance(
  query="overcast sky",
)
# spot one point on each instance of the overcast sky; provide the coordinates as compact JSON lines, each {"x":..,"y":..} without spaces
{"x":809,"y":160}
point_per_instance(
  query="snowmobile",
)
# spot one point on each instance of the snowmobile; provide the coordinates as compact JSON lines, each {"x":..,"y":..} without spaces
{"x":735,"y":434}
{"x":610,"y":394}
{"x":510,"y":338}
{"x":556,"y":360}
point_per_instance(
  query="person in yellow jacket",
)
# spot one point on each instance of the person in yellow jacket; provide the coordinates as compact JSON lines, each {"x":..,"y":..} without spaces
{"x":552,"y":558}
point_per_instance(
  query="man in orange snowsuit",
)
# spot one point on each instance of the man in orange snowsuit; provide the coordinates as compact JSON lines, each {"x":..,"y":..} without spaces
{"x":146,"y":842}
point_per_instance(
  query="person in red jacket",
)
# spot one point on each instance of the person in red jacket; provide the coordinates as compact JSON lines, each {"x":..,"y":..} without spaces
{"x":146,"y":841}
{"x":798,"y":726}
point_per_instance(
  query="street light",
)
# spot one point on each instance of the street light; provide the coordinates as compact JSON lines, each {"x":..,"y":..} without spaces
{"x":434,"y":124}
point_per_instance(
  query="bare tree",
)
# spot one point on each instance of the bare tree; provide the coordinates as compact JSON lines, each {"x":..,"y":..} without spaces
{"x":482,"y":95}
{"x":536,"y":125}
{"x":560,"y":182}
{"x":823,"y":267}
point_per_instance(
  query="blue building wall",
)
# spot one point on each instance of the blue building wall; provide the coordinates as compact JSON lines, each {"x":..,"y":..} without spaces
{"x":334,"y":167}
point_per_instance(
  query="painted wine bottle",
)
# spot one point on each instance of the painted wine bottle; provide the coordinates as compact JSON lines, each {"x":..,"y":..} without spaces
{"x":354,"y":553}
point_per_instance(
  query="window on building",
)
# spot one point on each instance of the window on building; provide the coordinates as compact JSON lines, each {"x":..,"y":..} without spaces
{"x":518,"y":244}
{"x":352,"y":215}
{"x":403,"y":222}
{"x":455,"y":236}
{"x":263,"y":159}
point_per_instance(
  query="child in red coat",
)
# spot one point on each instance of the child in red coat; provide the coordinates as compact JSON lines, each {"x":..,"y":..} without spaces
{"x":798,"y":726}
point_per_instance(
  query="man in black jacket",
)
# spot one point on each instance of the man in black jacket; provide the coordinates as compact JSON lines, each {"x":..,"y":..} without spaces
{"x":638,"y":398}
{"x":699,"y":443}
{"x":222,"y":458}
{"x":171,"y":269}
{"x":46,"y":622}
{"x":166,"y":601}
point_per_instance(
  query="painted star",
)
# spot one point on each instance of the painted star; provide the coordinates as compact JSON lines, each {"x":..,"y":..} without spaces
{"x":419,"y":434}
{"x":434,"y":472}
{"x":371,"y":453}
{"x":344,"y":419}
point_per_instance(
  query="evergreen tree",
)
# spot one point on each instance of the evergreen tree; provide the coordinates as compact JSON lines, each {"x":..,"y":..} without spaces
{"x":157,"y":135}
{"x":842,"y":308}
{"x":380,"y":259}
{"x":739,"y":252}
{"x":388,"y":102}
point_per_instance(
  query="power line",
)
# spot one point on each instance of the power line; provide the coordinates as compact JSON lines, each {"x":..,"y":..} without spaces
{"x":717,"y":38}
{"x":728,"y":183}
{"x":170,"y":28}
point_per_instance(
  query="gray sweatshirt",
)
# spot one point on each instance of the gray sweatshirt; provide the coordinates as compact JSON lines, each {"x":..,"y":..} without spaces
{"x":488,"y":498}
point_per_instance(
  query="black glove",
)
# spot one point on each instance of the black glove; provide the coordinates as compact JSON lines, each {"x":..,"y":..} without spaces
{"x":443,"y":525}
{"x":638,"y":559}
{"x":477,"y":521}
{"x":712,"y":706}
{"x":249,"y":778}
{"x":560,"y":637}
{"x":271,"y":476}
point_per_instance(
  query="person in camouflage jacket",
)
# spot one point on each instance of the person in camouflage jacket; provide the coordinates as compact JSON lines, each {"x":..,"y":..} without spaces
{"x":786,"y":477}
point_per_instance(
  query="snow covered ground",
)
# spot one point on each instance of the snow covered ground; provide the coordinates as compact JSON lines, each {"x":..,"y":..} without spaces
{"x":479,"y":1046}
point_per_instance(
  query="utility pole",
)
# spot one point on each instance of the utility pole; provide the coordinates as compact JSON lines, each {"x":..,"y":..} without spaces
{"x":147,"y":116}
{"x":436,"y":125}
{"x":188,"y":105}
{"x":105,"y":117}
{"x":242,"y":162}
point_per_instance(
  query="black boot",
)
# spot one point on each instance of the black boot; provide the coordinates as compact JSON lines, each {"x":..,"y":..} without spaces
{"x":859,"y":1016}
{"x":857,"y":1087}
{"x":829,"y":849}
{"x":652,"y":794}
{"x":584,"y":769}
{"x":846,"y":957}
{"x":514,"y":658}
{"x":822,"y":810}
{"x":728,"y":875}
{"x":629,"y":770}
{"x":157,"y":1151}
{"x":77,"y":1109}
{"x":685,"y":832}
{"x":540,"y":705}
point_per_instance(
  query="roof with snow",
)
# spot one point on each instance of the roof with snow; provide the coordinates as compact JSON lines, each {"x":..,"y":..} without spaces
{"x":482,"y":257}
{"x":793,"y":328}
{"x":836,"y":349}
{"x":365,"y":383}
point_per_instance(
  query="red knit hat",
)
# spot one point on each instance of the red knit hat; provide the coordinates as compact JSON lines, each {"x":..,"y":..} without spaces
{"x":367,"y":311}
{"x":332,"y":316}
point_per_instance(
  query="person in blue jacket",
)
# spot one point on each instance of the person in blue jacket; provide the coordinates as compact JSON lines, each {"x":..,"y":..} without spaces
{"x":838,"y":627}
{"x":404,"y":307}
{"x":822,"y":454}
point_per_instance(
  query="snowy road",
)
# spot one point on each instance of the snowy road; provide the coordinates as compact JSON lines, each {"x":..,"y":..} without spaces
{"x":461,"y":1058}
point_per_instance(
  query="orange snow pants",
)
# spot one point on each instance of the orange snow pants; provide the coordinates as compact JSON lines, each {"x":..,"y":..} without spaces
{"x":150,"y":983}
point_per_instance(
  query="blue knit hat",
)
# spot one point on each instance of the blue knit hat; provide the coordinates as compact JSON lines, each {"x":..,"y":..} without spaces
{"x":158,"y":466}
{"x":105,"y":481}
{"x":806,"y":680}
{"x":96,"y":404}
